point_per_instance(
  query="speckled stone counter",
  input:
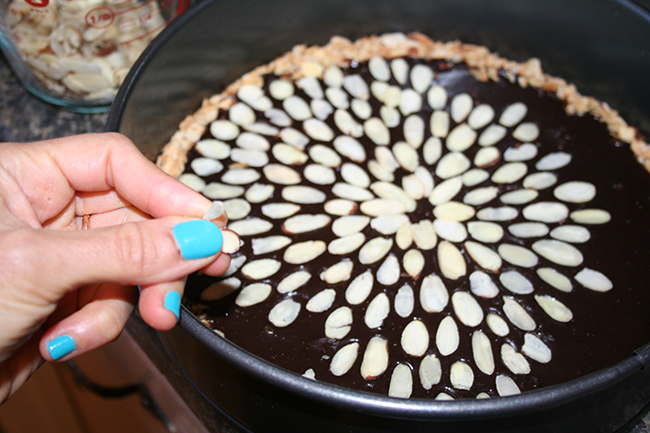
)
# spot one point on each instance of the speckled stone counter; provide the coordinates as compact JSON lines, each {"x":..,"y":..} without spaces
{"x":23,"y":118}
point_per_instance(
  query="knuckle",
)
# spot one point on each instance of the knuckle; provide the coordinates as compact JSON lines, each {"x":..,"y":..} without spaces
{"x":135,"y":249}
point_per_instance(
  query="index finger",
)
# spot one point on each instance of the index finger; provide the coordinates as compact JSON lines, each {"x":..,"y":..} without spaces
{"x":99,"y":162}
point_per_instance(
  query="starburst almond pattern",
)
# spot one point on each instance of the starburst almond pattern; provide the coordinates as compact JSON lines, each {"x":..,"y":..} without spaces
{"x":380,"y":196}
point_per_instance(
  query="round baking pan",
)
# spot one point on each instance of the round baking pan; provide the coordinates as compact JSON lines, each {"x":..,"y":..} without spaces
{"x":601,"y":46}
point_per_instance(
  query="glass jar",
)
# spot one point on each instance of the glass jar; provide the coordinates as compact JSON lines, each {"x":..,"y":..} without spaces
{"x":76,"y":53}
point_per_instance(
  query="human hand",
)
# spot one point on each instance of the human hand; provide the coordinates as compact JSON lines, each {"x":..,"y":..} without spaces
{"x":83,"y":221}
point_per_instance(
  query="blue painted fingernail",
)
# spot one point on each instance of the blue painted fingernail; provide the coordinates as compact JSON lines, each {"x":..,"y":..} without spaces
{"x":198,"y":239}
{"x":60,"y":347}
{"x":173,"y":303}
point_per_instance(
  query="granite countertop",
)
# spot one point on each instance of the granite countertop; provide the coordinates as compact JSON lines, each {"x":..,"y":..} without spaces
{"x":23,"y":118}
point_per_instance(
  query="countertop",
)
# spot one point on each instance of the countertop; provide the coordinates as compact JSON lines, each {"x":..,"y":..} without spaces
{"x":23,"y":118}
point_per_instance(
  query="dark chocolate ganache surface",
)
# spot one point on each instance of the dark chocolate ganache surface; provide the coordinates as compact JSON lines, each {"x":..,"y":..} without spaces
{"x":604,"y":327}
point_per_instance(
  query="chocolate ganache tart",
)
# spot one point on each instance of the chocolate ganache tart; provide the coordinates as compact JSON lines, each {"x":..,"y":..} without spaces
{"x":421,"y":219}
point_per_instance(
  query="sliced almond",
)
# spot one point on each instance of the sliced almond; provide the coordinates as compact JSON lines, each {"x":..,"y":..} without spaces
{"x":337,"y":97}
{"x":404,"y":236}
{"x":434,"y":296}
{"x":594,"y":280}
{"x":467,"y":310}
{"x":485,"y":231}
{"x":502,"y":213}
{"x":519,"y":196}
{"x":413,"y":131}
{"x":558,"y":252}
{"x":437,"y":97}
{"x":481,"y":196}
{"x":404,"y":301}
{"x":347,"y":124}
{"x":447,"y":336}
{"x":575,"y":192}
{"x":415,"y":338}
{"x":515,"y":361}
{"x":301,"y":194}
{"x":480,"y":116}
{"x":461,"y":375}
{"x":206,"y":166}
{"x":523,"y":152}
{"x":517,"y":315}
{"x":355,"y":175}
{"x":539,"y":181}
{"x":338,"y":272}
{"x":389,"y":271}
{"x":269,"y":244}
{"x":350,"y":148}
{"x":321,"y":301}
{"x":258,"y":193}
{"x":430,"y":371}
{"x":411,"y":102}
{"x":377,"y":311}
{"x":346,"y":244}
{"x":513,"y":114}
{"x":304,"y":252}
{"x":356,"y":86}
{"x":554,"y":308}
{"x":439,"y":124}
{"x":497,"y":325}
{"x":546,"y":212}
{"x":388,"y":224}
{"x":351,"y":192}
{"x":360,"y":287}
{"x":518,"y":255}
{"x":224,"y":130}
{"x":338,"y":323}
{"x":506,"y":386}
{"x":424,"y":235}
{"x":349,"y":224}
{"x":260,"y":269}
{"x":377,"y":131}
{"x":250,"y":226}
{"x":375,"y":358}
{"x":482,"y":352}
{"x":553,"y":161}
{"x":401,"y":382}
{"x":324,"y":155}
{"x":379,"y":69}
{"x":284,"y":313}
{"x":344,"y":359}
{"x":293,"y":282}
{"x":406,"y":156}
{"x":211,"y":148}
{"x":516,"y":283}
{"x":526,"y":132}
{"x":571,"y":233}
{"x":588,"y":216}
{"x":279,"y":210}
{"x":445,"y":191}
{"x":340,"y":207}
{"x":555,"y":279}
{"x":220,"y":191}
{"x":485,"y":257}
{"x":253,"y":294}
{"x":413,"y":262}
{"x":297,"y":108}
{"x":452,"y":164}
{"x":492,"y":135}
{"x":482,"y":285}
{"x":528,"y":230}
{"x":461,"y":106}
{"x":281,"y":174}
{"x":461,"y":138}
{"x":375,"y":250}
{"x":451,"y":261}
{"x":252,"y":141}
{"x":380,"y":207}
{"x":220,"y":289}
{"x":400,"y":70}
{"x":305,"y":223}
{"x":452,"y":231}
{"x":288,"y":155}
{"x":509,"y":173}
{"x":487,"y":157}
{"x":281,"y":89}
{"x":536,"y":349}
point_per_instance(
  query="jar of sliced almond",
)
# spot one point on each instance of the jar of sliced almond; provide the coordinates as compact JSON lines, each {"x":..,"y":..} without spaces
{"x":76,"y":53}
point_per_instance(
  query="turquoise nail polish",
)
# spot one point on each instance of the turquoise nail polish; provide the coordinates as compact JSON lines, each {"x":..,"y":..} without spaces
{"x":61,"y":346}
{"x":198,"y":238}
{"x":173,"y":303}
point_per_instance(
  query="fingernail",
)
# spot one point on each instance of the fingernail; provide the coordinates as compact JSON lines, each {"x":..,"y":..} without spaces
{"x":173,"y":303}
{"x":60,"y":347}
{"x":198,"y":239}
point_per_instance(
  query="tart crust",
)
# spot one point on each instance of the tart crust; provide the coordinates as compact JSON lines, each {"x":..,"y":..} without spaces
{"x":304,"y":61}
